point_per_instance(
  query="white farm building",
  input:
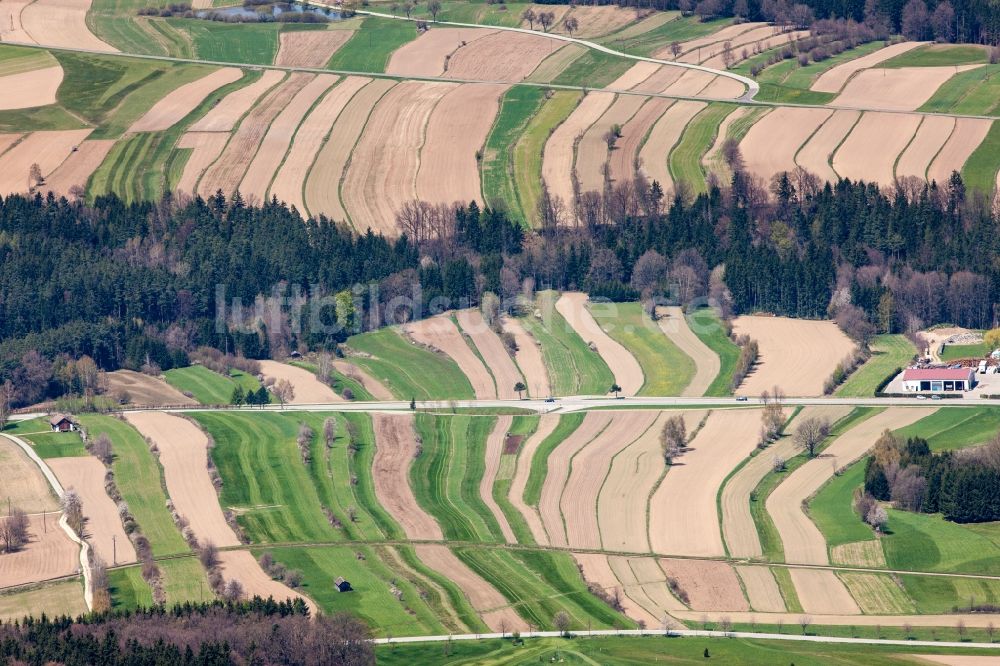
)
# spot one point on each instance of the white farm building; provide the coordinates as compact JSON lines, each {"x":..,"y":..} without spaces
{"x":939,"y":379}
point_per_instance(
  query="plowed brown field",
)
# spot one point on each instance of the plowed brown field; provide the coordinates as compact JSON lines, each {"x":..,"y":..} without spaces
{"x":395,"y":449}
{"x":181,"y":101}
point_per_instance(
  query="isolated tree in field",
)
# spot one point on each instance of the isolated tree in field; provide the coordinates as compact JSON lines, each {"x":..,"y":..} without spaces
{"x":408,"y":9}
{"x":283,"y":391}
{"x":877,"y":518}
{"x":561,"y":622}
{"x":571,"y":24}
{"x":673,"y":438}
{"x":434,"y":6}
{"x":675,"y":49}
{"x":14,"y":530}
{"x":546,"y":19}
{"x":520,"y":388}
{"x":329,"y":432}
{"x":728,"y":57}
{"x":35,"y":176}
{"x":616,"y":389}
{"x":529,"y":16}
{"x":804,"y":622}
{"x":811,"y":433}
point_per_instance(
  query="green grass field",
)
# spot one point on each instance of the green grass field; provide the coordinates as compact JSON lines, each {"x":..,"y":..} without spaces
{"x":832,"y":509}
{"x":709,"y":329}
{"x":208,"y":387}
{"x":974,"y":92}
{"x":956,"y":352}
{"x":594,"y":69}
{"x":527,"y":160}
{"x":620,"y":651}
{"x":446,"y":475}
{"x":568,"y":423}
{"x":407,"y":370}
{"x":649,"y":42}
{"x":523,"y":426}
{"x":939,"y":55}
{"x":937,"y":594}
{"x":368,"y":50}
{"x":371,"y":580}
{"x":184,"y":579}
{"x":539,"y":584}
{"x":666,"y":368}
{"x":128,"y":589}
{"x":922,"y":542}
{"x":264,"y":478}
{"x":244,"y":43}
{"x":697,"y":139}
{"x":47,"y":444}
{"x":952,"y":428}
{"x":137,"y":474}
{"x":518,"y":106}
{"x":888,"y":353}
{"x":980,"y":170}
{"x":573,"y":367}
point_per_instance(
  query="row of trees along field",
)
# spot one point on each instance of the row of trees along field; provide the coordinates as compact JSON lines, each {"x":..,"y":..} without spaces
{"x":967,"y":21}
{"x":142,"y":284}
{"x":963,"y":485}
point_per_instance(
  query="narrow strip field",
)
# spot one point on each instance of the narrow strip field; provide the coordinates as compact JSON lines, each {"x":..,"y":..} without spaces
{"x":177,"y":104}
{"x":683,"y":516}
{"x":592,"y":151}
{"x":871,"y":148}
{"x":184,"y":453}
{"x":46,"y":149}
{"x":968,"y":135}
{"x":674,"y":325}
{"x":834,"y":79}
{"x":104,"y":528}
{"x":814,"y":156}
{"x":396,"y":448}
{"x":932,"y":134}
{"x":547,"y":424}
{"x":529,"y":358}
{"x":761,"y":589}
{"x":441,"y":335}
{"x":560,"y":150}
{"x":495,"y":356}
{"x":622,"y":160}
{"x":772,"y":142}
{"x":664,"y":135}
{"x":627,"y":372}
{"x":902,"y":89}
{"x":322,"y":187}
{"x":494,"y":450}
{"x":78,"y":167}
{"x":588,"y":471}
{"x":224,"y":116}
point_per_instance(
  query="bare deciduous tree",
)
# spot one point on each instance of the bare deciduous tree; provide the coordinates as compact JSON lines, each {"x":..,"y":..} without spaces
{"x":14,"y":530}
{"x":283,"y":391}
{"x":100,"y":448}
{"x":811,"y":433}
{"x":673,"y":438}
{"x":72,"y":508}
{"x":561,"y":622}
{"x":546,"y":19}
{"x":571,"y":24}
{"x":529,"y":16}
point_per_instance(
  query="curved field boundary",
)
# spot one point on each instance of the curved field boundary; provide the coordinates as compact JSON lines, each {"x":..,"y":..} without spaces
{"x":588,"y":470}
{"x":228,"y":170}
{"x":802,"y":541}
{"x":870,"y":150}
{"x":558,"y":472}
{"x":633,"y":472}
{"x":498,"y":361}
{"x":624,"y":157}
{"x":384,"y":164}
{"x":224,"y":115}
{"x":834,"y":79}
{"x":322,"y":188}
{"x":429,"y":54}
{"x":666,"y":133}
{"x":626,"y":370}
{"x":46,"y":149}
{"x":242,"y":566}
{"x":710,"y":585}
{"x":752,"y":87}
{"x":596,"y":570}
{"x":441,"y":334}
{"x":902,"y":89}
{"x":395,"y":449}
{"x":78,"y":167}
{"x":712,"y":161}
{"x":843,"y":620}
{"x":360,"y":375}
{"x":558,"y":155}
{"x":738,"y":528}
{"x":455,"y":134}
{"x":699,"y":135}
{"x":820,"y":591}
{"x":592,"y":152}
{"x":683,"y":512}
{"x":183,"y":449}
{"x":815,"y":154}
{"x":104,"y":529}
{"x":32,"y":88}
{"x":707,"y":363}
{"x":644,"y":582}
{"x":501,"y":57}
{"x":968,"y":135}
{"x":659,"y":81}
{"x":528,"y":358}
{"x":61,"y":23}
{"x":927,"y":141}
{"x":290,"y":180}
{"x":546,"y":425}
{"x":205,"y":148}
{"x":494,"y":450}
{"x":728,"y":33}
{"x":278,"y":138}
{"x":772,"y":142}
{"x":488,"y":602}
{"x":180,"y":102}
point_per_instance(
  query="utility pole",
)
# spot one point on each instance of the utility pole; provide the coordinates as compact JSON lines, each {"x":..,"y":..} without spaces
{"x":114,"y":549}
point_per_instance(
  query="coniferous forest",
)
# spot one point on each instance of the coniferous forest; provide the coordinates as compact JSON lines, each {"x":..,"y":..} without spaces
{"x":142,"y":283}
